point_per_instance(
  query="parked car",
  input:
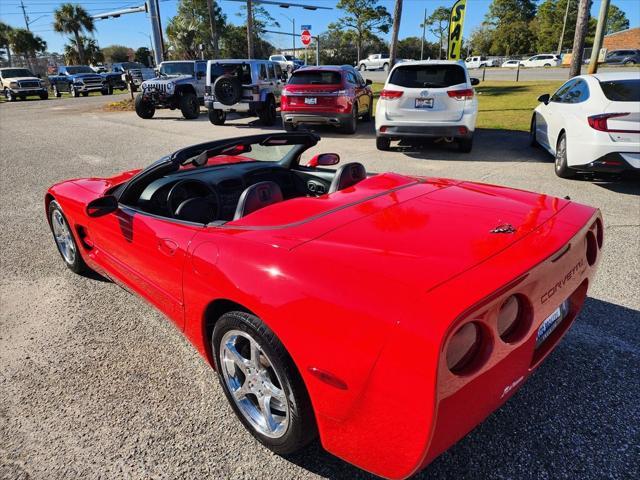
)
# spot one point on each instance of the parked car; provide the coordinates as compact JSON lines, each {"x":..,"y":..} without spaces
{"x":99,"y":68}
{"x":326,"y":95}
{"x":21,"y":83}
{"x":510,"y":64}
{"x":375,"y":61}
{"x":139,"y":73}
{"x":545,"y":60}
{"x":78,"y":80}
{"x":427,"y":99}
{"x":622,"y":57}
{"x":250,"y":87}
{"x":480,"y":62}
{"x":387,"y":314}
{"x":180,"y":84}
{"x":288,"y":63}
{"x":591,"y":124}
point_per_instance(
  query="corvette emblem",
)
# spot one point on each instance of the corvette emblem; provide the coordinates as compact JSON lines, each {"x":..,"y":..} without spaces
{"x":504,"y":228}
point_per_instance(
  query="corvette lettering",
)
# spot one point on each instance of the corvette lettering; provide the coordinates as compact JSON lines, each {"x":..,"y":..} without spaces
{"x":561,"y":283}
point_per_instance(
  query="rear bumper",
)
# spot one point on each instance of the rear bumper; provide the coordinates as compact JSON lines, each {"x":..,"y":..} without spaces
{"x":614,"y":162}
{"x":242,"y":107}
{"x":424,"y":131}
{"x":316,"y":118}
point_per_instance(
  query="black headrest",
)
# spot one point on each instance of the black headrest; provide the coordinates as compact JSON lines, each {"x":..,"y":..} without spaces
{"x":348,"y":175}
{"x":197,"y":209}
{"x":257,"y":196}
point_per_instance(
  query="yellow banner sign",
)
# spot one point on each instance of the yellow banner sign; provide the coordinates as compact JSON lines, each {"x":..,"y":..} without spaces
{"x":456,"y":25}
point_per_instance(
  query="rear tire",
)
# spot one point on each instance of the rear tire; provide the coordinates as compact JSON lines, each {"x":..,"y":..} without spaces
{"x":383,"y":143}
{"x":562,"y":170}
{"x":56,"y":92}
{"x":217,"y":117}
{"x":240,"y":338}
{"x":144,"y":108}
{"x":367,"y":116}
{"x":351,"y":125}
{"x":65,"y":240}
{"x":189,"y":106}
{"x":289,"y":127}
{"x":44,"y":96}
{"x":465,"y":145}
{"x":268,"y":114}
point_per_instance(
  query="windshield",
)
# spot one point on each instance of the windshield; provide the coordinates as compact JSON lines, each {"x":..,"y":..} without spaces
{"x":423,"y":76}
{"x":251,"y":153}
{"x":130,"y":65}
{"x":79,"y":69}
{"x":178,"y":68}
{"x":16,"y":72}
{"x":317,"y":77}
{"x":622,"y":90}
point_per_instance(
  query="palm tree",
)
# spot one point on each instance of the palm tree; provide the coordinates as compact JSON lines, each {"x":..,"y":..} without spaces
{"x":70,"y":18}
{"x":92,"y":52}
{"x":25,"y":43}
{"x":5,"y":39}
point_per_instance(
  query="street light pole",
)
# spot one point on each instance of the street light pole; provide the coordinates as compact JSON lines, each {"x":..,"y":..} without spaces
{"x":564,"y":26}
{"x":597,"y":41}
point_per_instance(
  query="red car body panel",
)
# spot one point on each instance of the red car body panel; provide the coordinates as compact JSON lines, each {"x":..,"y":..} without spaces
{"x":368,"y":284}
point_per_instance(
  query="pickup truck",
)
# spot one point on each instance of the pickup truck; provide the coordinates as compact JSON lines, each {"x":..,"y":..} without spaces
{"x":480,"y":62}
{"x":77,"y":80}
{"x":21,"y":83}
{"x":139,"y":73}
{"x":288,"y":63}
{"x":375,"y":61}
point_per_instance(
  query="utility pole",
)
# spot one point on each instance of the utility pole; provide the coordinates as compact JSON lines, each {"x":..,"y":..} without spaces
{"x":158,"y":51}
{"x":564,"y":26}
{"x":424,"y":28}
{"x":600,"y":31}
{"x":214,"y":30}
{"x":294,"y":37}
{"x":24,"y":14}
{"x":582,"y":24}
{"x":249,"y":29}
{"x":397,"y":16}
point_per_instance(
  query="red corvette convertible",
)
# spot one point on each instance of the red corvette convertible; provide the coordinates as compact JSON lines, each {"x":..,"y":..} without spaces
{"x":387,"y":314}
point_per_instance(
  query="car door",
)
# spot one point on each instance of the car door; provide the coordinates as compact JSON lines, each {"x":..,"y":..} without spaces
{"x":275,"y":81}
{"x":555,"y":115}
{"x":145,"y":253}
{"x":367,"y":95}
{"x":201,"y":78}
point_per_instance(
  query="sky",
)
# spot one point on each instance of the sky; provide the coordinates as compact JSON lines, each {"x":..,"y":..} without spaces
{"x":133,"y":30}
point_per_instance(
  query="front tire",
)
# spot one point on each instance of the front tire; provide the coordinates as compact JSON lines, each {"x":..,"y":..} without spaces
{"x":289,"y":127}
{"x":9,"y":95}
{"x":56,"y":92}
{"x":217,"y":117}
{"x":262,"y":383}
{"x":74,"y":92}
{"x":189,"y":106}
{"x":44,"y":95}
{"x":65,"y":241}
{"x":362,"y":67}
{"x":562,"y":170}
{"x":367,"y":116}
{"x":144,"y":108}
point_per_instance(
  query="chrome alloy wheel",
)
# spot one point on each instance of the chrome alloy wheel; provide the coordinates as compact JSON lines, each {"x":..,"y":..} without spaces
{"x":561,"y":152}
{"x":254,"y":384}
{"x":63,"y":237}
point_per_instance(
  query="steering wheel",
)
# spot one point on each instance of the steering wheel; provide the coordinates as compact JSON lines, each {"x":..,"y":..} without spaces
{"x":185,"y":190}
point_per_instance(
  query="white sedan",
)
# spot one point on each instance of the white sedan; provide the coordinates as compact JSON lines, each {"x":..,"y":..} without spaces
{"x":510,"y":64}
{"x":591,"y":124}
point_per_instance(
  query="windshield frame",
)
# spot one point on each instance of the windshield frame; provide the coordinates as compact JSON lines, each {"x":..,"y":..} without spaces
{"x":190,"y":65}
{"x":20,"y":69}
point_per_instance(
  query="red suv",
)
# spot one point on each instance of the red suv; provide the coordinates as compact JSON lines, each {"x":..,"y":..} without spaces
{"x":326,"y":95}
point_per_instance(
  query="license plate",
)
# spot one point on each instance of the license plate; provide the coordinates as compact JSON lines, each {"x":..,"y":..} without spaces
{"x":551,"y":322}
{"x":311,"y":100}
{"x":209,"y":98}
{"x":424,"y":102}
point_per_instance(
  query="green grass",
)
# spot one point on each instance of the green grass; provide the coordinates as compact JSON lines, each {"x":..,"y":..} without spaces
{"x":503,"y":105}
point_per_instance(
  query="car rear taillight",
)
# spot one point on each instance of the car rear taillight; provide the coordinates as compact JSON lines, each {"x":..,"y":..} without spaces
{"x":466,"y":94}
{"x":390,"y":94}
{"x":599,"y":122}
{"x":464,"y":348}
{"x":514,"y":318}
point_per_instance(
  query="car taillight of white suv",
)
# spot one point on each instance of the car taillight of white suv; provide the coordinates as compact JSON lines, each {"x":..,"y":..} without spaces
{"x":427,"y":99}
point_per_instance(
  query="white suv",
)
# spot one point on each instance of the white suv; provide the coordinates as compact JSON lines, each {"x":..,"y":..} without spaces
{"x":427,"y":99}
{"x":544,"y":60}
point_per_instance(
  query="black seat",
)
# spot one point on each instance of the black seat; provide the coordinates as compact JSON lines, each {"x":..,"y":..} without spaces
{"x":197,"y":209}
{"x":257,"y":196}
{"x":348,"y":175}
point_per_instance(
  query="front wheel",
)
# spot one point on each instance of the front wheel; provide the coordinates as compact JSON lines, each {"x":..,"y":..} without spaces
{"x":268,"y":114}
{"x":44,"y":95}
{"x":74,"y":92}
{"x":108,"y":90}
{"x":367,"y":116}
{"x":189,"y":106}
{"x":144,"y":108}
{"x":217,"y":117}
{"x":9,"y":95}
{"x":362,"y":67}
{"x":65,"y":241}
{"x":262,"y":383}
{"x":561,"y":167}
{"x":547,"y":65}
{"x":56,"y":93}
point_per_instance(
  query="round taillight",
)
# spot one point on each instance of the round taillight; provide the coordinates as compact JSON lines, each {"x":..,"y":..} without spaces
{"x":511,"y":319}
{"x":592,"y":248}
{"x":464,"y":348}
{"x":599,"y":233}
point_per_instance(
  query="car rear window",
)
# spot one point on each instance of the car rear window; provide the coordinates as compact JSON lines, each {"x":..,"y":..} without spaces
{"x":317,"y":77}
{"x":241,"y":70}
{"x":622,"y":90}
{"x":422,"y":76}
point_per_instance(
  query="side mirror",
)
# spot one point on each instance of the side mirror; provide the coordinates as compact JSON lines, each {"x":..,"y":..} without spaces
{"x":368,"y":81}
{"x":102,"y":206}
{"x":475,"y":81}
{"x":199,"y":75}
{"x":544,"y":98}
{"x":324,"y":159}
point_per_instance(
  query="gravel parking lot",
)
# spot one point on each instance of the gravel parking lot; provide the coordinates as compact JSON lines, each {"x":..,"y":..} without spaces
{"x":94,"y":383}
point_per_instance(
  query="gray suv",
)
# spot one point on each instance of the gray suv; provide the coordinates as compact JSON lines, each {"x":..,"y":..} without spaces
{"x":250,"y":87}
{"x":180,"y":84}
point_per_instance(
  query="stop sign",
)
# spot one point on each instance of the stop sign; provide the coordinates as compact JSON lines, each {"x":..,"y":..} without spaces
{"x":306,"y":37}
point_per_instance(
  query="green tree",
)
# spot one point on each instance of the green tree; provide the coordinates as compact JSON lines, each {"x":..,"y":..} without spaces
{"x":547,"y":25}
{"x":74,"y":19}
{"x":142,"y":55}
{"x":25,"y":43}
{"x":409,"y":48}
{"x":6,"y":32}
{"x":364,"y":17}
{"x":481,"y":40}
{"x":233,"y":44}
{"x":511,"y":23}
{"x":616,"y":20}
{"x":116,"y":53}
{"x":438,"y":25}
{"x":191,"y":26}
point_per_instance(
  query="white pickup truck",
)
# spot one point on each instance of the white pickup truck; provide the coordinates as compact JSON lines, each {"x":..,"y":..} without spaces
{"x":479,"y":62}
{"x":375,"y":61}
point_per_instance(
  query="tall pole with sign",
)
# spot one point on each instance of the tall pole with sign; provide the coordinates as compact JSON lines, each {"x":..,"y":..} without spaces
{"x":305,"y":38}
{"x":456,"y":26}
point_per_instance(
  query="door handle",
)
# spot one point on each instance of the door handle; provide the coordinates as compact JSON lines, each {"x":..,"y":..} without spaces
{"x":167,"y":246}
